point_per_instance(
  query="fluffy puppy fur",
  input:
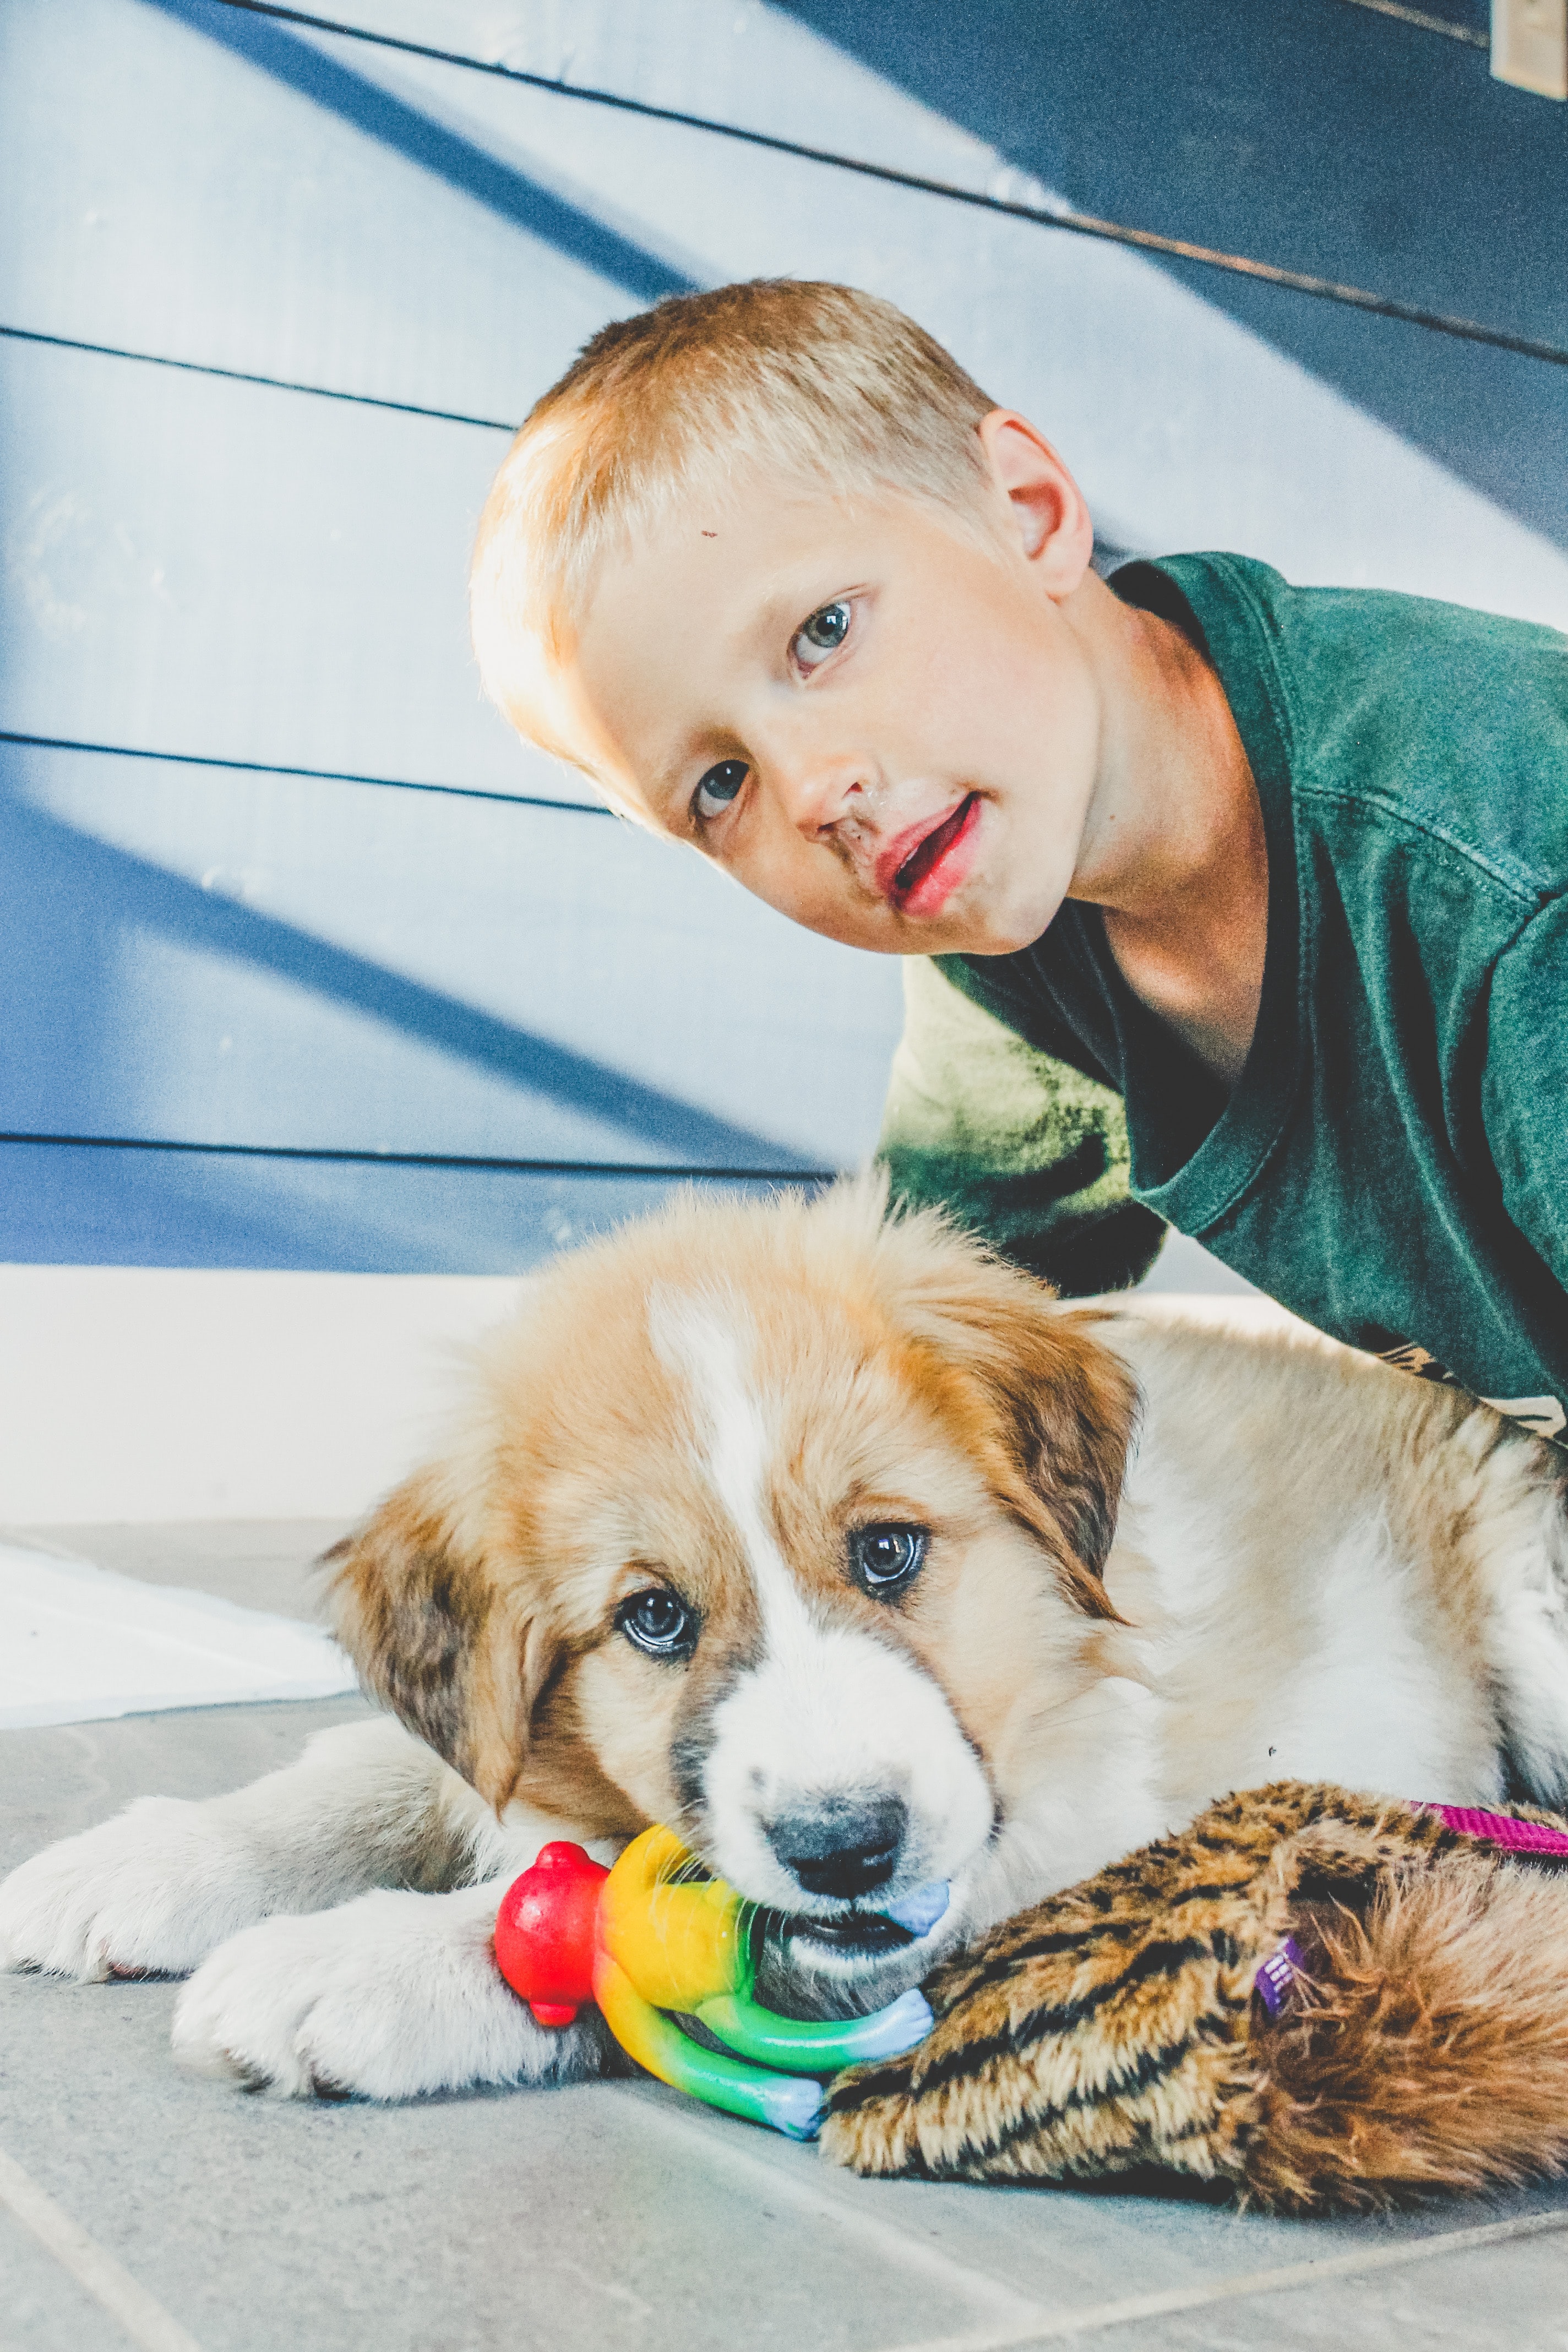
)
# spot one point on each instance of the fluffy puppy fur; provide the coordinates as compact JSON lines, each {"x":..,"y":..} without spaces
{"x":839,"y":1546}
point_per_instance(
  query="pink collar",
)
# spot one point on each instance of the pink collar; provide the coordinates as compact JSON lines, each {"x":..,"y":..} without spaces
{"x":1499,"y":1829}
{"x":1276,"y":1974}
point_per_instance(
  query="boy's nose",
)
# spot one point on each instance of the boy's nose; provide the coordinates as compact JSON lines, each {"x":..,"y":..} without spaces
{"x":819,"y":793}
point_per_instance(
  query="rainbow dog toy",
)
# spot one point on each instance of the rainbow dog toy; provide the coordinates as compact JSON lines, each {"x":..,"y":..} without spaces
{"x":648,"y":1936}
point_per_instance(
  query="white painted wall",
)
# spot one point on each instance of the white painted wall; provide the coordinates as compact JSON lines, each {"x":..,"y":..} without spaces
{"x":141,"y":1393}
{"x":145,"y":1393}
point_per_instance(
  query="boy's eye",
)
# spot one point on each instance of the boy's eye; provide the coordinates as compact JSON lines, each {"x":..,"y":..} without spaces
{"x":822,"y":635}
{"x":718,"y":788}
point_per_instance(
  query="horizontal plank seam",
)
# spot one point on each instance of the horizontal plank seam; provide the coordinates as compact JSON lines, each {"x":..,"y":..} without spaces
{"x":249,"y":375}
{"x":1062,"y":216}
{"x":277,"y":768}
{"x":694,"y":1171}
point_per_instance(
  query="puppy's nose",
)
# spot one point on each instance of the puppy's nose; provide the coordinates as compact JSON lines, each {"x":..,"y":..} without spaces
{"x":839,"y":1846}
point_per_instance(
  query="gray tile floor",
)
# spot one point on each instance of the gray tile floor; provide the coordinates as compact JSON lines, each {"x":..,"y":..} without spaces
{"x":139,"y":2206}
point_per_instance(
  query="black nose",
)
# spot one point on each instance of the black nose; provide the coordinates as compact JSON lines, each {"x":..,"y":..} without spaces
{"x":841,"y":1847}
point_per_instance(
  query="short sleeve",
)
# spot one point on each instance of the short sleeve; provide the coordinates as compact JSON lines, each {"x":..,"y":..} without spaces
{"x":1524,"y":1094}
{"x":1027,"y":1150}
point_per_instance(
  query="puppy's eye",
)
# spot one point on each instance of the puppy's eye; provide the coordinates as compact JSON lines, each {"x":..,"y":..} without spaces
{"x":888,"y":1557}
{"x":822,"y":635}
{"x":717,"y":789}
{"x":660,"y":1622}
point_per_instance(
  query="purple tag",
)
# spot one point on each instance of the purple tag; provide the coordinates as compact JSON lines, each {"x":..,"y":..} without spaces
{"x":1274,"y":1975}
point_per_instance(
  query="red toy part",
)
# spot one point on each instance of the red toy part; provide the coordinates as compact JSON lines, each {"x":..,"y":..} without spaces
{"x":544,"y":1932}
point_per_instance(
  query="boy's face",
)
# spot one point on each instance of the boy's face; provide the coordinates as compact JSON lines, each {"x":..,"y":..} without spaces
{"x":885,"y":727}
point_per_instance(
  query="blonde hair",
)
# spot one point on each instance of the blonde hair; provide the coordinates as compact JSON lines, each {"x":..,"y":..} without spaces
{"x":817,"y":383}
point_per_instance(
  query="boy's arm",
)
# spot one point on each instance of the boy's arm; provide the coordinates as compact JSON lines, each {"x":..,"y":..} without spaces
{"x":1023,"y":1149}
{"x":1524,"y":1094}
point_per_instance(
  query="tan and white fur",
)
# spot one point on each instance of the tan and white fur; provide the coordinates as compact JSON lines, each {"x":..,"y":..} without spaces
{"x":1159,"y":1557}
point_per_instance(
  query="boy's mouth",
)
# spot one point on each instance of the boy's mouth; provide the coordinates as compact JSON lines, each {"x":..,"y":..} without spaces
{"x":934,"y":865}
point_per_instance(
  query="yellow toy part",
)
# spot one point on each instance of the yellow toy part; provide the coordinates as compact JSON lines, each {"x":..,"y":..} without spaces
{"x":669,"y":1939}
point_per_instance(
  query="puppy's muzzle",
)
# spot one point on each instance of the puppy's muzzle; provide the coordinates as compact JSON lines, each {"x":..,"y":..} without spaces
{"x":841,"y":1847}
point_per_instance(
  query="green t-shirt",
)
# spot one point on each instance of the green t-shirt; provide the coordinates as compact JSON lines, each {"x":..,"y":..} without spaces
{"x":1393,"y":1162}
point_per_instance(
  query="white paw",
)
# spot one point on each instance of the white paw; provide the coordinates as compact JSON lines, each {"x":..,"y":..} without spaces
{"x":385,"y":1997}
{"x":150,"y":1892}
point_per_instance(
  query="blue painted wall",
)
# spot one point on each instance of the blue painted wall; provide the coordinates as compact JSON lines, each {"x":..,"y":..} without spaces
{"x":312,"y":962}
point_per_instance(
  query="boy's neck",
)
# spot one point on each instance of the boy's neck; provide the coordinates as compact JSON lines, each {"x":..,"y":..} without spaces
{"x":1174,"y":853}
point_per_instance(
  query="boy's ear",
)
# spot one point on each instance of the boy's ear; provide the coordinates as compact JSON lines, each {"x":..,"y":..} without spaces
{"x":440,"y":1640}
{"x":1060,"y":1409}
{"x":1049,"y":513}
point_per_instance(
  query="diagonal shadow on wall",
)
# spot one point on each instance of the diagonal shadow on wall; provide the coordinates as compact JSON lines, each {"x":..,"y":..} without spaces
{"x":1328,"y":139}
{"x":73,"y":897}
{"x":409,"y":132}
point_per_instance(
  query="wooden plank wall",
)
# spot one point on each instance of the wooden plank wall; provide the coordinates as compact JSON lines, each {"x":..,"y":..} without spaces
{"x":305,"y":962}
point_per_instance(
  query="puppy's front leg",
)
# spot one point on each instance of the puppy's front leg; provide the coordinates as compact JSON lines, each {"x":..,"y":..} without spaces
{"x":156,"y":1889}
{"x":388,"y":1996}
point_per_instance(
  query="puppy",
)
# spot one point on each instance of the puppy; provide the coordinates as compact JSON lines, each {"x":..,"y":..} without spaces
{"x":907,"y":1594}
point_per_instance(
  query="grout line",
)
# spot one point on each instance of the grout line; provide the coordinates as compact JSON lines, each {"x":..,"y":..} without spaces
{"x":1092,"y":2318}
{"x":1019,"y":2320}
{"x":140,"y":2315}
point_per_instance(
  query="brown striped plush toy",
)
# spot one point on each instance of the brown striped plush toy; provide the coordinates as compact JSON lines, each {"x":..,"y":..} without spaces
{"x":1316,"y":1999}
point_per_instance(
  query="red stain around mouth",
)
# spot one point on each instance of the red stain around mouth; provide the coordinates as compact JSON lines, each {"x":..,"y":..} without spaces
{"x":938,"y":863}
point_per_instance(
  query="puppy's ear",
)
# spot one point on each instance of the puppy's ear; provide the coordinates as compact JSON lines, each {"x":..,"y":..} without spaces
{"x":453,"y":1651}
{"x":1061,"y":1409}
{"x":1069,"y":1410}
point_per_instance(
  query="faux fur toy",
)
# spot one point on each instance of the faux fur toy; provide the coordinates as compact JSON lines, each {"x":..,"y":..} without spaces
{"x":1408,"y":2032}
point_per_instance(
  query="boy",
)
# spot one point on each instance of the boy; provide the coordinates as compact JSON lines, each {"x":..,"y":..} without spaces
{"x":1236,"y":906}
